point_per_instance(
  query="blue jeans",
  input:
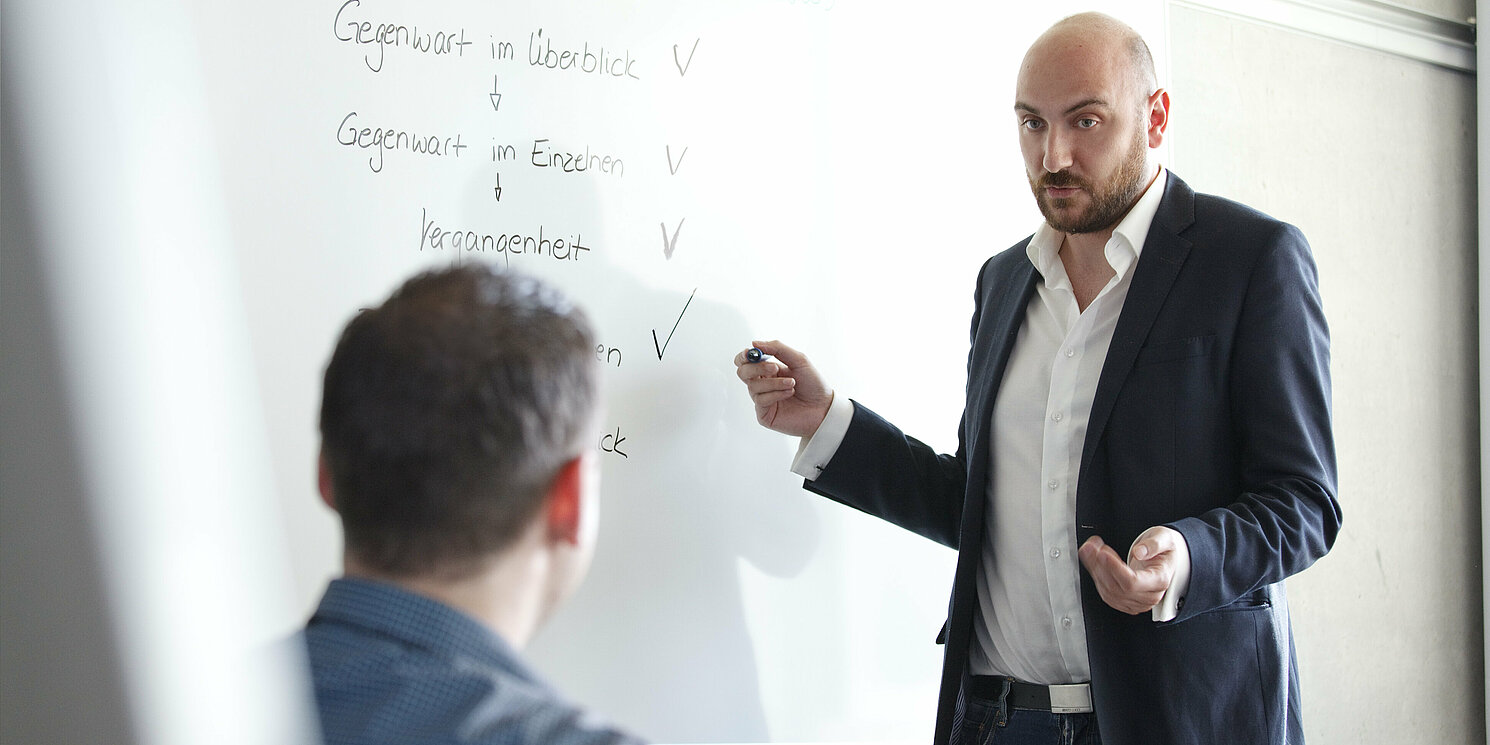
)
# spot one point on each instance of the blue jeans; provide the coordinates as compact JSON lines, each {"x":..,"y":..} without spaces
{"x":994,"y":722}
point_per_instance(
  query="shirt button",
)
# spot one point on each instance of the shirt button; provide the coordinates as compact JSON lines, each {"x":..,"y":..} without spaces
{"x":1066,"y":622}
{"x":1057,"y":416}
{"x":1070,"y":352}
{"x":1053,"y":483}
{"x":1055,"y":553}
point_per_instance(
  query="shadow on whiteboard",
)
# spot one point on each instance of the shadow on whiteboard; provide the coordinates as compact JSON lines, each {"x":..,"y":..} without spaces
{"x":681,"y":508}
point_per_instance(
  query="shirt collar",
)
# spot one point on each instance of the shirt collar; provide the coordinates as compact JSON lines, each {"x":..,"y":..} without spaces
{"x":1122,"y":249}
{"x":391,"y":611}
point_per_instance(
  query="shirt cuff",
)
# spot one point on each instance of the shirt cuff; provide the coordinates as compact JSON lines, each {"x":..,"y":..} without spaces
{"x":1169,"y":605}
{"x":814,"y":453}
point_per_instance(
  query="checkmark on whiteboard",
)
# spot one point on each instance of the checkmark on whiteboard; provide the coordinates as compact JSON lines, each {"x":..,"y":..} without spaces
{"x":671,"y":166}
{"x":662,"y":346}
{"x":683,"y":66}
{"x":670,"y":244}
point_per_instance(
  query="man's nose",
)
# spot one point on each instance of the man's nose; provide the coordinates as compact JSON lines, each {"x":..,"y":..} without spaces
{"x":1057,"y":151}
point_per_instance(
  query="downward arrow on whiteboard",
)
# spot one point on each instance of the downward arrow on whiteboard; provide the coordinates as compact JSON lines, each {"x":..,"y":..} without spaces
{"x":496,"y":98}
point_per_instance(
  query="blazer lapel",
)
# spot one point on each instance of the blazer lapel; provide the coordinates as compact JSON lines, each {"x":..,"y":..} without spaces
{"x":1164,"y":252}
{"x":1006,"y":295}
{"x":1004,"y":310}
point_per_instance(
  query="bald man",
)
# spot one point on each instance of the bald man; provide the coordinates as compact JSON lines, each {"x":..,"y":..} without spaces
{"x":1146,"y":449}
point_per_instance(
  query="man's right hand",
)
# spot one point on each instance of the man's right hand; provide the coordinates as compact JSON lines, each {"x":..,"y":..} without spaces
{"x":789,"y":395}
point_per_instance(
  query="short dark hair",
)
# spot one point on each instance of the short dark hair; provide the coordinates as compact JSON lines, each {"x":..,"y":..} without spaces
{"x":447,"y":413}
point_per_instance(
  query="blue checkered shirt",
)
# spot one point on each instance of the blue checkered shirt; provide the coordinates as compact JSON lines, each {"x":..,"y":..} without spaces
{"x":391,"y":667}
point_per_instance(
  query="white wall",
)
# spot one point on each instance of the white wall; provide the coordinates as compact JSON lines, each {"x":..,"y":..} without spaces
{"x":1373,"y":157}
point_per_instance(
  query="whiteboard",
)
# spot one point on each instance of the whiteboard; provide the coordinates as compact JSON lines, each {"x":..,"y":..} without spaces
{"x":697,"y":174}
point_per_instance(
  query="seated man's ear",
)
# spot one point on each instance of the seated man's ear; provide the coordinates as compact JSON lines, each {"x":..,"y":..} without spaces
{"x":323,"y":481}
{"x":565,"y":503}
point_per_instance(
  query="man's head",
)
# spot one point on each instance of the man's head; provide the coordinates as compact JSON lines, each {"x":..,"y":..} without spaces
{"x":1089,"y":109}
{"x":457,"y":418}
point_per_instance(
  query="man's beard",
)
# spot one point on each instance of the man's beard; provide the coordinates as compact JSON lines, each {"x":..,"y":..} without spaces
{"x":1109,"y":204}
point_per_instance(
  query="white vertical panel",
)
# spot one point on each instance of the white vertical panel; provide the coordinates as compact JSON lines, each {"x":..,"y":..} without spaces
{"x":139,"y":269}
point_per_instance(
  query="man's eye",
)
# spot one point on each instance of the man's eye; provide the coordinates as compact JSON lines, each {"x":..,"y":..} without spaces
{"x":1086,"y":122}
{"x":1031,"y":124}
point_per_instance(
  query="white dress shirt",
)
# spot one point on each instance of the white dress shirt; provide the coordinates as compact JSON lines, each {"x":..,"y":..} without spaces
{"x":1029,"y":594}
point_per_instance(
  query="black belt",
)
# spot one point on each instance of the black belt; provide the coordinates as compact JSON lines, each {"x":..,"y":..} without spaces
{"x":1059,"y":699}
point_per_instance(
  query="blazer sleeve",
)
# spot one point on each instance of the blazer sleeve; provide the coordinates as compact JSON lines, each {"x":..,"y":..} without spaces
{"x":882,"y":471}
{"x":1287,"y":514}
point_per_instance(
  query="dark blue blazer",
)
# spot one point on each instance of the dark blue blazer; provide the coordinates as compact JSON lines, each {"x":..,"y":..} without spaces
{"x":1211,"y":416}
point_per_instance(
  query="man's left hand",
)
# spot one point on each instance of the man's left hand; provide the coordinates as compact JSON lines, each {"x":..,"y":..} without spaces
{"x":1137,"y":585}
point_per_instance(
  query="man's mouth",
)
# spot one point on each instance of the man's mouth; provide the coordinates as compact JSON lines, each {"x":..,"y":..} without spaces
{"x":1060,"y":185}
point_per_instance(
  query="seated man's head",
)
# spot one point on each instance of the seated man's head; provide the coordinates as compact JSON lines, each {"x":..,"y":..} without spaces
{"x":458,"y":423}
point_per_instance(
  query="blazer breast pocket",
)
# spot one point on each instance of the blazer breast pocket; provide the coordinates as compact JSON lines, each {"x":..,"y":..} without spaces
{"x":1162,"y":427}
{"x":1177,"y":349}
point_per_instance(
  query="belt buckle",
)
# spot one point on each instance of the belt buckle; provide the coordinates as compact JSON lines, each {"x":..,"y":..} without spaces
{"x":1071,"y":699}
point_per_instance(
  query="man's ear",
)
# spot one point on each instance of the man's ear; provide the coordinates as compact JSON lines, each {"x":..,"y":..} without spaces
{"x":323,"y":481}
{"x":565,"y":502}
{"x":1158,"y":117}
